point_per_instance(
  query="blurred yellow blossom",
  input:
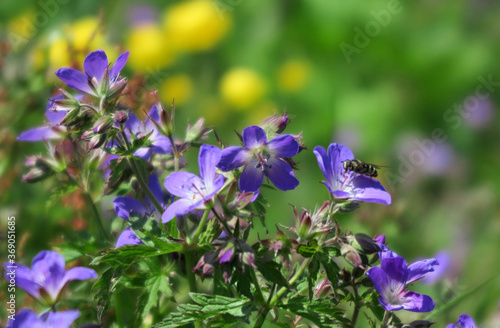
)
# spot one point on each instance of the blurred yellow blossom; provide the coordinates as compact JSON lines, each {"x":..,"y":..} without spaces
{"x":148,"y":48}
{"x":86,"y":35}
{"x":293,"y":75}
{"x":195,"y":25}
{"x":176,"y":86}
{"x":242,"y":87}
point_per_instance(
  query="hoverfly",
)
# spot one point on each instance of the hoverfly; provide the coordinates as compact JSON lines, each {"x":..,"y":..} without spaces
{"x":360,"y":167}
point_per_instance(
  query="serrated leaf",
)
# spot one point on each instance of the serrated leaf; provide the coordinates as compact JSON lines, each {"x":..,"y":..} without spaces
{"x":221,"y":304}
{"x":331,"y":268}
{"x":104,"y":288}
{"x":124,"y":256}
{"x":321,"y":312}
{"x":154,"y":285}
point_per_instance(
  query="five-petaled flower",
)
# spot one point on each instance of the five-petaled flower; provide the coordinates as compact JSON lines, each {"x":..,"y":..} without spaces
{"x":98,"y":80}
{"x":47,"y":276}
{"x":194,"y":192}
{"x":347,"y":184}
{"x":262,"y":158}
{"x":464,"y":321}
{"x":28,"y":318}
{"x":390,"y":280}
{"x":52,"y":129}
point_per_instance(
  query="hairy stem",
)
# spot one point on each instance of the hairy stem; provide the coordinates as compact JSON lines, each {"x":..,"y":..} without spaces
{"x":189,"y":253}
{"x":356,"y":307}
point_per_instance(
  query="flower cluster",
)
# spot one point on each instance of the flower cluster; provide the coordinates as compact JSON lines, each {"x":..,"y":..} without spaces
{"x":197,"y":225}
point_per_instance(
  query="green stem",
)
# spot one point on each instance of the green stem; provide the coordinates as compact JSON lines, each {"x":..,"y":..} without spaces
{"x":224,"y":223}
{"x":176,"y":153}
{"x":97,"y":215}
{"x":259,"y":297}
{"x":189,"y":253}
{"x":356,"y":307}
{"x":144,"y":185}
{"x":201,"y":225}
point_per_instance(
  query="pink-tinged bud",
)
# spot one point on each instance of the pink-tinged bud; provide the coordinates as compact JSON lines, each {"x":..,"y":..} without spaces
{"x":104,"y":87}
{"x":322,"y":289}
{"x":120,"y":116}
{"x":206,"y":264}
{"x":116,"y":89}
{"x":240,"y":201}
{"x":103,"y":124}
{"x":197,"y":132}
{"x":304,"y":227}
{"x":275,"y":124}
{"x":351,"y":255}
{"x":97,"y":141}
{"x":248,"y":258}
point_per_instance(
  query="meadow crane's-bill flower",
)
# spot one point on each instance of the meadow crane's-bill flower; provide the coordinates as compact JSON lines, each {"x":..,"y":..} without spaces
{"x":47,"y":277}
{"x":390,"y":280}
{"x":260,"y":158}
{"x":348,"y":185}
{"x":194,"y":191}
{"x":98,"y":80}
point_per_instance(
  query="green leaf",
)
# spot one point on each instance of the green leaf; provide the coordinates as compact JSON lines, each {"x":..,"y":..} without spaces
{"x":153,"y":286}
{"x":220,"y":304}
{"x":271,"y":272}
{"x":321,"y":312}
{"x":312,"y":276}
{"x":308,"y":250}
{"x":331,"y":268}
{"x":104,"y":288}
{"x":128,"y":254}
{"x":120,"y":172}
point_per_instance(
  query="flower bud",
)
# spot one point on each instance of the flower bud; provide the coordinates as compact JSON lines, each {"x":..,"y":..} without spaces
{"x":103,"y":124}
{"x":275,"y":124}
{"x":322,"y":289}
{"x":97,"y":141}
{"x":120,"y":116}
{"x":116,"y":89}
{"x":364,"y":244}
{"x":304,"y":226}
{"x":420,"y":324}
{"x":351,"y":255}
{"x":197,"y":132}
{"x":348,"y":207}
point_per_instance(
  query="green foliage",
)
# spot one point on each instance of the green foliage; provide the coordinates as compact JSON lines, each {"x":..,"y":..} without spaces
{"x":212,"y":310}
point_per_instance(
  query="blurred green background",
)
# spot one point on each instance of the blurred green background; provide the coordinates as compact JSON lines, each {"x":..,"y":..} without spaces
{"x":384,"y":77}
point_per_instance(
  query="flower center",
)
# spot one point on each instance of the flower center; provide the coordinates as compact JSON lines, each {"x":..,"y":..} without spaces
{"x":262,"y":161}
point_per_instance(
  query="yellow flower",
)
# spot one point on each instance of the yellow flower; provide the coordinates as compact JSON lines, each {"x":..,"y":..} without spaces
{"x":21,"y":30}
{"x":148,"y":48}
{"x":293,"y":75}
{"x":242,"y":87}
{"x":195,"y":25}
{"x":59,"y":54}
{"x":176,"y":86}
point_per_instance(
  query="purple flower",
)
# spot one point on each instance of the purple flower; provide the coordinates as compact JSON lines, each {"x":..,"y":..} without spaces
{"x":52,"y":130}
{"x":262,"y":158}
{"x":28,"y":318}
{"x":390,"y":280}
{"x":98,"y":79}
{"x":464,"y":321}
{"x":348,"y":185}
{"x":194,"y":192}
{"x":159,"y":143}
{"x":47,"y":276}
